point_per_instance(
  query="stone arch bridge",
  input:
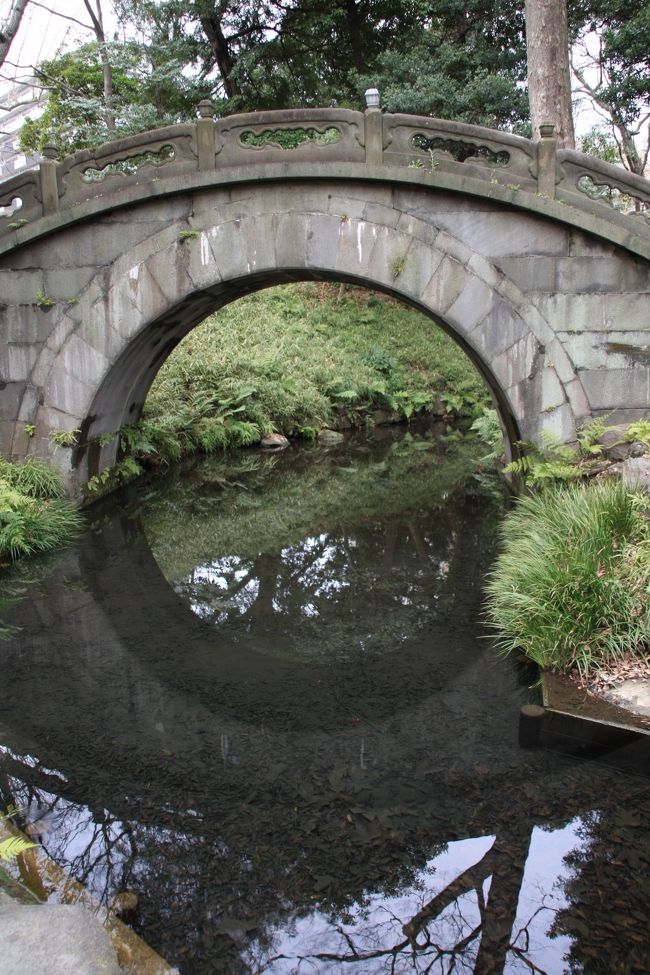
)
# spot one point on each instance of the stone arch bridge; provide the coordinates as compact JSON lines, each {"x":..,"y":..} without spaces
{"x":537,"y":261}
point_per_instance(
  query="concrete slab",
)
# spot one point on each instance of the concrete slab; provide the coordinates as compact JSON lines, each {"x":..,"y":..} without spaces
{"x":53,"y":939}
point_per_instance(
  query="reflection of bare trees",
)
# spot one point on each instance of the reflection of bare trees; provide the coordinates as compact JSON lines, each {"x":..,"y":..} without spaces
{"x":461,"y":929}
{"x":609,"y":892}
{"x":104,"y":847}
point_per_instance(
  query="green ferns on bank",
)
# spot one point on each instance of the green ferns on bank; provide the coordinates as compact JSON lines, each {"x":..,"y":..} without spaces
{"x":308,"y":355}
{"x":571,"y":587}
{"x":553,"y":461}
{"x":34,"y":515}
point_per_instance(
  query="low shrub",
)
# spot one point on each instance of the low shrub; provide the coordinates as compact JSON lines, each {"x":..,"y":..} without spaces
{"x":571,"y":587}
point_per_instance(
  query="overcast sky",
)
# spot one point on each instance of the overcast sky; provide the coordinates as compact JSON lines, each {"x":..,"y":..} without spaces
{"x":43,"y":30}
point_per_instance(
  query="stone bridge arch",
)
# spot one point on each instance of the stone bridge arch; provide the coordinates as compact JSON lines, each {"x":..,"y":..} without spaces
{"x":105,"y":348}
{"x":108,"y":258}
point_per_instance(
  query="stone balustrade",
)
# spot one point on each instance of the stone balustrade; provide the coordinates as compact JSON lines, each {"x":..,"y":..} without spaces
{"x":381,"y":145}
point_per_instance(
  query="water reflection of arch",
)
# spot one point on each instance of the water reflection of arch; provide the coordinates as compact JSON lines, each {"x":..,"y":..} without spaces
{"x":197,"y":688}
{"x":103,"y":639}
{"x":133,"y":591}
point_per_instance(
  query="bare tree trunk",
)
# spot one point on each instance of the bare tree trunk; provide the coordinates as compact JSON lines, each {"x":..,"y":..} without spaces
{"x":98,"y":27}
{"x":221,"y":51}
{"x":10,"y":28}
{"x":549,"y":74}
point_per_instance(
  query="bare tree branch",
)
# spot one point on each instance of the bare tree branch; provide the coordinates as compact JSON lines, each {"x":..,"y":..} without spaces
{"x":57,"y":13}
{"x":10,"y":28}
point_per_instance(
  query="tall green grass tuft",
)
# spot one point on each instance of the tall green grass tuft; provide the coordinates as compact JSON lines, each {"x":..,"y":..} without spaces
{"x":571,"y":587}
{"x":34,"y":515}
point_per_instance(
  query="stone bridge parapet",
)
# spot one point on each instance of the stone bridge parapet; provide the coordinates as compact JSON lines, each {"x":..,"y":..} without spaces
{"x":568,"y":186}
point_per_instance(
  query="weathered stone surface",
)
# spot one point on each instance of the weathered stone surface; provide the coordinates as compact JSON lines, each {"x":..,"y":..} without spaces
{"x":633,"y":694}
{"x":636,"y":473}
{"x":274,"y":441}
{"x":329,"y":436}
{"x":501,"y":236}
{"x":448,"y":281}
{"x":613,"y":442}
{"x":611,"y":388}
{"x":591,"y":275}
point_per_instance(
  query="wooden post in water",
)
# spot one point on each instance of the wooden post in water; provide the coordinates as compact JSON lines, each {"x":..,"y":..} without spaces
{"x":531,"y":719}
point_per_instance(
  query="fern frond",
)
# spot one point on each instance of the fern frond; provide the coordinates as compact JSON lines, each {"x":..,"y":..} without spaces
{"x":14,"y":846}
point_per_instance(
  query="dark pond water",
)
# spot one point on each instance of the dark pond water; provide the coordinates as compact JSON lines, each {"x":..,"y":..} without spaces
{"x":259,"y":694}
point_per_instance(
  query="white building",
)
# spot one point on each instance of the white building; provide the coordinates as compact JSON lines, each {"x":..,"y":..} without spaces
{"x":19,"y":100}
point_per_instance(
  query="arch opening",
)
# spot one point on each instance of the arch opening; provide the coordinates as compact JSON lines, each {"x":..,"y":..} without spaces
{"x":121,"y":397}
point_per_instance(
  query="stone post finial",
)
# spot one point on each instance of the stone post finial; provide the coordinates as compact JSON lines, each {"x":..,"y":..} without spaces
{"x":206,"y":108}
{"x":374,"y":129}
{"x":372,"y":98}
{"x":546,"y":160}
{"x":206,"y":144}
{"x":49,"y":181}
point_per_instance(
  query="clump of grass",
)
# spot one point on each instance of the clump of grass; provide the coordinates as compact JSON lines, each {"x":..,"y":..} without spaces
{"x":34,"y":515}
{"x":571,"y":587}
{"x":33,"y":477}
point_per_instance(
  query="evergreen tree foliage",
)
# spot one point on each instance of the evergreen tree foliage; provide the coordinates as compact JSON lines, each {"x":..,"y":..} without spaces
{"x":444,"y":58}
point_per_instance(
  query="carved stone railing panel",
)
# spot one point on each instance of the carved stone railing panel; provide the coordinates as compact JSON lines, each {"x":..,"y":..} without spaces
{"x":489,"y":161}
{"x":586,"y":182}
{"x":289,"y":139}
{"x":20,"y":201}
{"x":341,"y":133}
{"x":471,"y":150}
{"x":148,"y":155}
{"x":131,"y":165}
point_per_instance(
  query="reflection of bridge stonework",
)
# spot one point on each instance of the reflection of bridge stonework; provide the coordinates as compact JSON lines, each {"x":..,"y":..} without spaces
{"x":110,"y":258}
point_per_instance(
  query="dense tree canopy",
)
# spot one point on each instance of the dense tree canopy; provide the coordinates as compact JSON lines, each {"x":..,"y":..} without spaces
{"x":446,"y":58}
{"x":443,"y":57}
{"x":146,"y":94}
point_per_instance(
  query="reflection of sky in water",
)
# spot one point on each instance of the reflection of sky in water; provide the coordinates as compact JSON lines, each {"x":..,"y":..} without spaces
{"x":374,"y":929}
{"x":307,"y":579}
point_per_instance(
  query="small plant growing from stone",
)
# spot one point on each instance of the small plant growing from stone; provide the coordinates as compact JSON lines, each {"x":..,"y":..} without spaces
{"x":30,"y":429}
{"x":17,"y":224}
{"x":65,"y":438}
{"x":397,"y":266}
{"x":43,"y":300}
{"x":188,"y":235}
